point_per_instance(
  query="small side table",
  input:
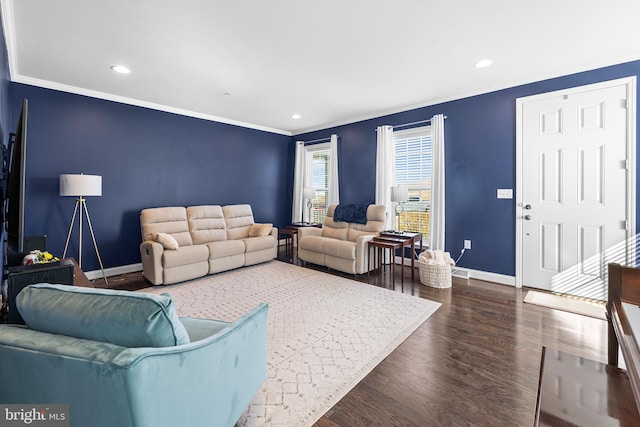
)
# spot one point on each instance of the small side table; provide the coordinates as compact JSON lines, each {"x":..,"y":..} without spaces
{"x":408,"y":240}
{"x":289,"y":234}
{"x":379,"y":245}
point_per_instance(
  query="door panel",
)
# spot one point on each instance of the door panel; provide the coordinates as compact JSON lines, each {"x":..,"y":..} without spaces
{"x":574,"y":188}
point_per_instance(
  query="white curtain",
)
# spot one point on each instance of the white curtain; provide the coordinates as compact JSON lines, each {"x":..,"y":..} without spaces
{"x":333,"y":196}
{"x":385,"y":166}
{"x":437,"y":183}
{"x":298,"y":182}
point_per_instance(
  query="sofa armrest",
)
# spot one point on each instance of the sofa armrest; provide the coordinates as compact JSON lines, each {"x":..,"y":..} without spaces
{"x":309,"y":231}
{"x":221,"y":372}
{"x":362,"y":252}
{"x":276,"y":236}
{"x":151,"y":255}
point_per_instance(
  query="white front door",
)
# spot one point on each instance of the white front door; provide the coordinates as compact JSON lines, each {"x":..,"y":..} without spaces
{"x":574,"y":187}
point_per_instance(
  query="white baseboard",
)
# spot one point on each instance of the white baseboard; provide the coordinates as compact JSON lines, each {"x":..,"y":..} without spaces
{"x":461,"y":273}
{"x":464,"y":273}
{"x":467,"y":273}
{"x":113,"y":271}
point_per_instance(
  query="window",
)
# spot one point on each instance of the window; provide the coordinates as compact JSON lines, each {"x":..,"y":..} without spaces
{"x":413,"y":161}
{"x":318,"y":157}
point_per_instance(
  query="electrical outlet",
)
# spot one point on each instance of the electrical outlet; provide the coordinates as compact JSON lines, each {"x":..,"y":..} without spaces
{"x":467,"y":244}
{"x":505,"y":193}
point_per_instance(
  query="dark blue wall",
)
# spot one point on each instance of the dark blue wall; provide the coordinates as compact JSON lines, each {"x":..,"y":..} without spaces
{"x":480,"y":135}
{"x":147,"y":158}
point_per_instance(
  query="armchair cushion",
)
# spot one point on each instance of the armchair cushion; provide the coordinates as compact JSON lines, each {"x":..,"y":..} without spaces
{"x":122,"y":318}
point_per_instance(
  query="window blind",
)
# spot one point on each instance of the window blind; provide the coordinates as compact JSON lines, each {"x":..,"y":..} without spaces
{"x":413,"y":166}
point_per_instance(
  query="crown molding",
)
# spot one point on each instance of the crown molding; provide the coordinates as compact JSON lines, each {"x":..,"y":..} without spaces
{"x":140,"y":103}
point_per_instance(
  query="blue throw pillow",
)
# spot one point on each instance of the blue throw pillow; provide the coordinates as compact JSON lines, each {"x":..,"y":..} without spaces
{"x":127,"y":319}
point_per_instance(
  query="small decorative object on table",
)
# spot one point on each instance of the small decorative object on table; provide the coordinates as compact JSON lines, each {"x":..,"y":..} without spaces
{"x":435,"y":268}
{"x":38,"y":257}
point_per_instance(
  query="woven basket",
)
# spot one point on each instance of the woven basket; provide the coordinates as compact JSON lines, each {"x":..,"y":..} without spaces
{"x":435,"y":276}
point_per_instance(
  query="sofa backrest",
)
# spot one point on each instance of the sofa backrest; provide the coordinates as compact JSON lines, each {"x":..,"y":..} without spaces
{"x":170,"y":220}
{"x":127,"y":319}
{"x":350,"y":230}
{"x":374,"y":225}
{"x":239,"y":219}
{"x":206,"y":224}
{"x":334,"y":229}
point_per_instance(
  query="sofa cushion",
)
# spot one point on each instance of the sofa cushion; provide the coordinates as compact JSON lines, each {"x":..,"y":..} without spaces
{"x":225,"y":248}
{"x":166,"y":240}
{"x":238,"y":219}
{"x":340,"y":232}
{"x":206,"y":224}
{"x":254,"y":244}
{"x":340,"y":248}
{"x":312,"y":243}
{"x":170,"y":220}
{"x":127,"y":319}
{"x":185,"y":255}
{"x":354,"y":233}
{"x":260,"y":230}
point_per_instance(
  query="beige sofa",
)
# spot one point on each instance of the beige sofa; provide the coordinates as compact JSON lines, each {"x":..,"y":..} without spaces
{"x":341,"y":245}
{"x":181,"y":243}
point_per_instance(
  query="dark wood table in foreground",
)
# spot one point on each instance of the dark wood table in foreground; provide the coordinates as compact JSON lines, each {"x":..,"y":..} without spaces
{"x":575,"y":391}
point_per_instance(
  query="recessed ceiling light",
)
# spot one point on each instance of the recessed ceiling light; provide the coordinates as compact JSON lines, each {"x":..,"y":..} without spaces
{"x":484,"y":63}
{"x":120,"y":69}
{"x":296,"y":116}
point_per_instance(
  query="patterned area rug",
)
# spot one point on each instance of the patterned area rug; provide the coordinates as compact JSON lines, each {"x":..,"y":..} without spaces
{"x":325,"y":332}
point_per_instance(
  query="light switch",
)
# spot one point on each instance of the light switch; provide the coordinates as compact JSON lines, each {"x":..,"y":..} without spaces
{"x":505,"y":193}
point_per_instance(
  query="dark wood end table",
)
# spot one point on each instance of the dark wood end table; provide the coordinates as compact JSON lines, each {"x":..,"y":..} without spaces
{"x":408,"y":239}
{"x":379,"y":246}
{"x":289,"y":234}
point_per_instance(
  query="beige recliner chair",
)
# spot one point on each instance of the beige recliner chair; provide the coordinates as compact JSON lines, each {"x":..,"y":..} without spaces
{"x":341,"y":245}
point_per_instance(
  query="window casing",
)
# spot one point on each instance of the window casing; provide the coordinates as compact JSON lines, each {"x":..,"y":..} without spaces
{"x":412,"y":169}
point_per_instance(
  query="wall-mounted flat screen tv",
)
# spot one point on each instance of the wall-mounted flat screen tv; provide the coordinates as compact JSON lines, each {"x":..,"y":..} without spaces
{"x":14,"y":203}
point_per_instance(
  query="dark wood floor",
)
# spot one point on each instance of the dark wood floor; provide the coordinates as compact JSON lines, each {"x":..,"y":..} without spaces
{"x":474,"y":362}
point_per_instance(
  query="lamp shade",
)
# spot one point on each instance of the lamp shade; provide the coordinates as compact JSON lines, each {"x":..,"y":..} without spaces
{"x":80,"y":185}
{"x":309,"y":193}
{"x":399,"y":194}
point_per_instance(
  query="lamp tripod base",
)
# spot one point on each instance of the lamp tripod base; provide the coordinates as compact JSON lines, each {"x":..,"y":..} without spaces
{"x":80,"y":207}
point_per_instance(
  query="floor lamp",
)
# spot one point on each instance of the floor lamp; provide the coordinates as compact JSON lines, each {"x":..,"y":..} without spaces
{"x":399,"y":195}
{"x":80,"y":185}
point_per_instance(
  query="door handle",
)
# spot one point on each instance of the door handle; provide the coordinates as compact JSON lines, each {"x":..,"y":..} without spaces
{"x":527,"y":217}
{"x":527,"y":207}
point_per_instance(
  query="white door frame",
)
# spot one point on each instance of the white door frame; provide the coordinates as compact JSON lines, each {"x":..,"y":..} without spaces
{"x":630,"y":83}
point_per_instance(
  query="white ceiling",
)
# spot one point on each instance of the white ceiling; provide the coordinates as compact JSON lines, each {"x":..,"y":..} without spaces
{"x":255,"y":63}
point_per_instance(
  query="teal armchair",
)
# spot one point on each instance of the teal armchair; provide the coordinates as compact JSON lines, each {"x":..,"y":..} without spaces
{"x":125,"y":359}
